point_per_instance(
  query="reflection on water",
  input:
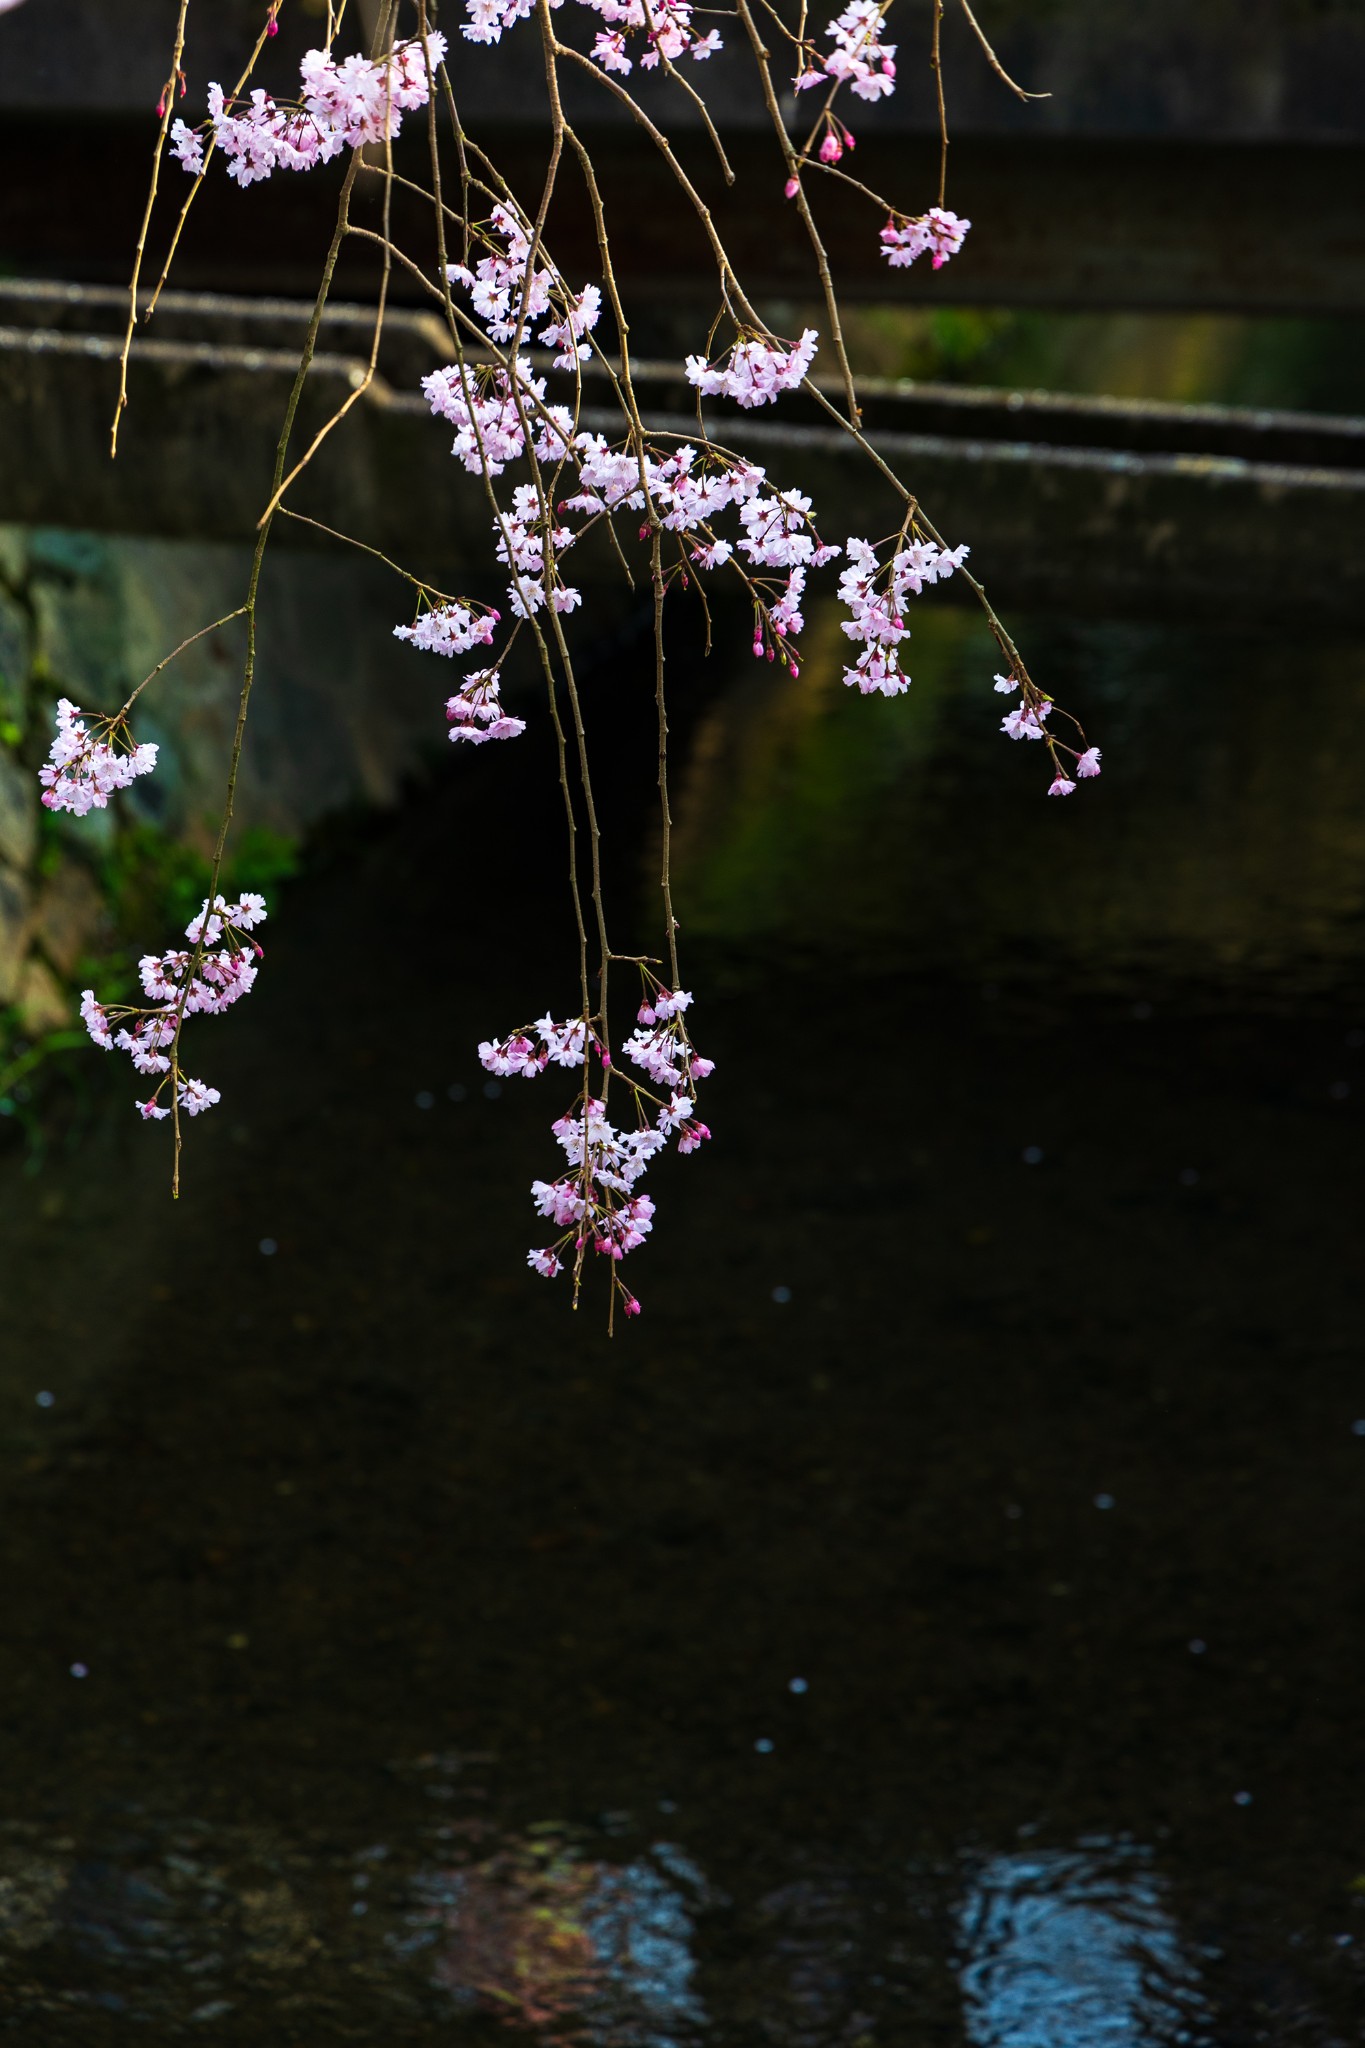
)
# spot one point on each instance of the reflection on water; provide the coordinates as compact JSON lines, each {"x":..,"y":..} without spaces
{"x":564,"y":1942}
{"x":552,"y":1933}
{"x":182,"y":1920}
{"x":1071,"y":1947}
{"x":1226,"y":837}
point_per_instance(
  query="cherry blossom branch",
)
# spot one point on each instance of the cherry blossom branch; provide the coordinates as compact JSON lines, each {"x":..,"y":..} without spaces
{"x":249,"y":609}
{"x":174,"y":655}
{"x":495,"y":392}
{"x":165,"y":109}
{"x":996,"y":66}
{"x":561,"y":747}
{"x":354,"y":396}
{"x":936,"y":65}
{"x":803,"y":207}
{"x":349,"y":540}
{"x":262,"y":39}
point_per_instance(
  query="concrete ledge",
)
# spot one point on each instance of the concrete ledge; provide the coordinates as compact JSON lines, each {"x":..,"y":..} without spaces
{"x":1082,"y":503}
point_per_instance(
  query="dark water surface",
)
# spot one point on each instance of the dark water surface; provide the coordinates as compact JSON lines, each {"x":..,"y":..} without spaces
{"x":938,"y":1621}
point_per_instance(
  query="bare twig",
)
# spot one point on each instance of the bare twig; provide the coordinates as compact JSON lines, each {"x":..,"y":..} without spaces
{"x":167,"y":108}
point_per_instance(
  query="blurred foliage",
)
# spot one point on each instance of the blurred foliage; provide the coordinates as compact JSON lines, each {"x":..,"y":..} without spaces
{"x":151,"y":880}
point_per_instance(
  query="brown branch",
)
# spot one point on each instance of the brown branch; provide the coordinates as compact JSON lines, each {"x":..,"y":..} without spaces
{"x":167,"y":108}
{"x":996,"y":66}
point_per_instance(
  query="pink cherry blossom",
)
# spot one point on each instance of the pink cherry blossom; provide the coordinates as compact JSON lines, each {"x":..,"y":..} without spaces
{"x":96,"y":1021}
{"x":539,"y":1045}
{"x":859,"y":57}
{"x":1023,"y":724}
{"x":195,"y":1097}
{"x":83,"y":769}
{"x":180,"y":984}
{"x":1061,"y":787}
{"x":340,"y":106}
{"x":476,"y":714}
{"x":876,"y":594}
{"x":755,"y":372}
{"x":450,"y":629}
{"x":936,"y":231}
{"x":1088,"y":763}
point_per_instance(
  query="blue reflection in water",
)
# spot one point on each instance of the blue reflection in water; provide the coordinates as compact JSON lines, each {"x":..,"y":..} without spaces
{"x":640,"y":1926}
{"x":1071,"y":1947}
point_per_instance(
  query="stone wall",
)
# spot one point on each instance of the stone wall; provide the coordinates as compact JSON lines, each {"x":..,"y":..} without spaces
{"x":340,"y":714}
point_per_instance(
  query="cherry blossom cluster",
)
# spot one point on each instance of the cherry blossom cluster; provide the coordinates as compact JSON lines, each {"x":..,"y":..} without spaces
{"x":451,"y":628}
{"x":340,"y":106}
{"x":475,"y":711}
{"x":529,"y":545}
{"x":859,"y":58}
{"x":487,"y":407}
{"x":1027,"y":720}
{"x":217,"y":970}
{"x":936,"y":231}
{"x":529,"y":1051}
{"x":84,"y":768}
{"x":876,"y":598}
{"x":594,"y":1203}
{"x":506,"y":300}
{"x":661,"y":1047}
{"x":755,"y":371}
{"x":665,"y":24}
{"x":688,"y":492}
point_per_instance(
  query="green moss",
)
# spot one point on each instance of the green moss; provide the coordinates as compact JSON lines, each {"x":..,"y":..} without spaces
{"x":152,"y":881}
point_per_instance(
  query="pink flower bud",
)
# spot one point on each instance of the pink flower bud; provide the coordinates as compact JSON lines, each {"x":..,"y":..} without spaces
{"x":758,"y":650}
{"x":793,"y":186}
{"x":632,"y":1305}
{"x":831,"y":149}
{"x":161,"y":108}
{"x":850,"y":139}
{"x":272,"y":27}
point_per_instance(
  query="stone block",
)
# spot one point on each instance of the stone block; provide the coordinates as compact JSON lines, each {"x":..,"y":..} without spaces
{"x":81,"y":640}
{"x":16,"y":911}
{"x":43,"y":1004}
{"x":16,"y":660}
{"x":71,"y":916}
{"x":18,"y":813}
